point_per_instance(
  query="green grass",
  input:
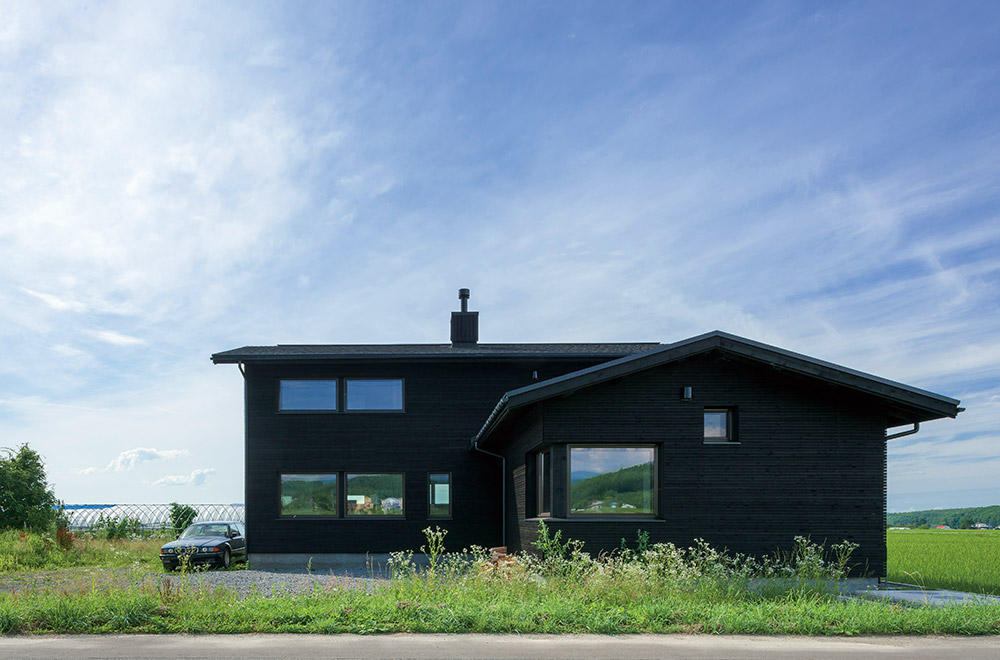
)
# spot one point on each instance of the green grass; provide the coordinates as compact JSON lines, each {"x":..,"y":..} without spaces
{"x":478,"y":603}
{"x":651,"y":589}
{"x":965,"y":560}
{"x":21,"y":552}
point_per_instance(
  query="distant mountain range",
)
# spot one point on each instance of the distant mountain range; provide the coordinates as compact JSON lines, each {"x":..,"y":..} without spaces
{"x":951,"y":517}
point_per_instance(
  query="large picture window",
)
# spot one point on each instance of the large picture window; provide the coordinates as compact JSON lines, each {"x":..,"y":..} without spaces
{"x":612,"y":481}
{"x":372,"y":394}
{"x":307,"y":395}
{"x":375,"y":494}
{"x":308,"y":495}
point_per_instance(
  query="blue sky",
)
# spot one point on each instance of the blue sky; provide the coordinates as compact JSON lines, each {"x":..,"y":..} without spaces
{"x":179,"y":178}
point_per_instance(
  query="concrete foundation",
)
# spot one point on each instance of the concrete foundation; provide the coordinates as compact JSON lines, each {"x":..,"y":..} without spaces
{"x":353,"y":564}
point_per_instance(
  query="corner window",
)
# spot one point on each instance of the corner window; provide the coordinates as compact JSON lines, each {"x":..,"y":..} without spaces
{"x":307,"y":395}
{"x":439,"y":495}
{"x":612,"y":481}
{"x":375,"y":494}
{"x":372,"y":394}
{"x":308,"y":495}
{"x":543,"y":468}
{"x":720,"y":425}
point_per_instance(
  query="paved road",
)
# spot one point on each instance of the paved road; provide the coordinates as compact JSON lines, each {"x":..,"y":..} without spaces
{"x":492,"y":647}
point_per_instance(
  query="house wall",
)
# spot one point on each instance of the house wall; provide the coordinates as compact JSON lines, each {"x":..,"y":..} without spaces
{"x":445,"y":405}
{"x":810,"y":461}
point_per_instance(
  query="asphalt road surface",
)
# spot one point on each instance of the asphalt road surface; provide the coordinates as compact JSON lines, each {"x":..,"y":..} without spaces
{"x":491,"y":647}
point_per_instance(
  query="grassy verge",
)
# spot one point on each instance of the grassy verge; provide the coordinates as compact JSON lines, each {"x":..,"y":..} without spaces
{"x":21,"y":552}
{"x":479,"y":604}
{"x":965,"y":560}
{"x":649,"y":589}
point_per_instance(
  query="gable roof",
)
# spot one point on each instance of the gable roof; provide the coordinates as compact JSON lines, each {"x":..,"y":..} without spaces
{"x":916,"y":405}
{"x":423,"y":351}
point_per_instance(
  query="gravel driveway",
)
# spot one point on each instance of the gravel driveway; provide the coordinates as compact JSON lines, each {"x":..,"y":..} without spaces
{"x":240,"y":582}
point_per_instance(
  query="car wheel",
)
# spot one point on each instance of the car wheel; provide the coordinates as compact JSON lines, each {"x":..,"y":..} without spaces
{"x":225,"y":558}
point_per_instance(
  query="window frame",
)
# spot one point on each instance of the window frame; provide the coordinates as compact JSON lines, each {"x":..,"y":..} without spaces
{"x":732,"y":436}
{"x":654,"y":496}
{"x":402,"y":507}
{"x":305,"y":516}
{"x":540,"y":482}
{"x":430,"y":497}
{"x":402,"y":395}
{"x":321,"y":411}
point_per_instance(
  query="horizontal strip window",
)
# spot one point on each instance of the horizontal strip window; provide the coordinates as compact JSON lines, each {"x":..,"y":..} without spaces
{"x":370,"y":394}
{"x":307,"y":395}
{"x":612,"y":481}
{"x":309,"y":495}
{"x":375,"y":494}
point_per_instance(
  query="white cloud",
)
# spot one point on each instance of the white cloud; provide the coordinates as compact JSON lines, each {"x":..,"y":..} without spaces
{"x":55,"y":302}
{"x":196,"y":478}
{"x":127,"y":460}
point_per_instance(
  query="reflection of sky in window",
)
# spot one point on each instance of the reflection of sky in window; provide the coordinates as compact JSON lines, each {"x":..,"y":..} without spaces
{"x":608,"y":459}
{"x":325,"y":478}
{"x":308,"y":395}
{"x":374,"y":394}
{"x":715,"y":424}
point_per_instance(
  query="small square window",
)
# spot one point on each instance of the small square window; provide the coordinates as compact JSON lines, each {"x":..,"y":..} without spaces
{"x":719,"y":425}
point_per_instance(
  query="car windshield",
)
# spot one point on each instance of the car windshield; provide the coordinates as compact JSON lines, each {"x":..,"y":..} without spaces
{"x":205,"y":530}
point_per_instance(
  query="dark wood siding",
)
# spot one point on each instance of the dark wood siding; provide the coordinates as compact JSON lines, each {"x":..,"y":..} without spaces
{"x":810,"y":461}
{"x":445,"y":405}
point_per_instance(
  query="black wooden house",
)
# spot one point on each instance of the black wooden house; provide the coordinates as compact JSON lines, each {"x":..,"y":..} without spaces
{"x":357,"y":448}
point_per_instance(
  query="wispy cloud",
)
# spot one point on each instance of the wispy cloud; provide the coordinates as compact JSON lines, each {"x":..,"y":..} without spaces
{"x":116,"y":338}
{"x":196,"y":478}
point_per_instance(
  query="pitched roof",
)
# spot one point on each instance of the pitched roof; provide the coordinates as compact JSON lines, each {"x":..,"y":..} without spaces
{"x":919,"y":405}
{"x":310,"y":352}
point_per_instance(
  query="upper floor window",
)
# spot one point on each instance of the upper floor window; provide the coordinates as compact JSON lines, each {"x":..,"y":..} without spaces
{"x":374,"y":394}
{"x":612,"y":481}
{"x":720,"y":425}
{"x":307,"y":395}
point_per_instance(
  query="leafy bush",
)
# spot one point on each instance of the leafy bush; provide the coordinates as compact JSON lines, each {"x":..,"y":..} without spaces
{"x":181,"y":516}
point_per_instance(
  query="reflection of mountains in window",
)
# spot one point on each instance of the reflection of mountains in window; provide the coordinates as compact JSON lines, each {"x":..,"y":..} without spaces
{"x":308,"y":497}
{"x":628,"y":490}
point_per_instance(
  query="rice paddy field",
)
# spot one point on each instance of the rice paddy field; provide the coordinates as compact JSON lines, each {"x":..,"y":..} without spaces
{"x":960,"y":559}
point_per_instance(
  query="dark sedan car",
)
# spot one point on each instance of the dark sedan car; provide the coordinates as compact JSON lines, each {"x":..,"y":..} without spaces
{"x":218,"y":543}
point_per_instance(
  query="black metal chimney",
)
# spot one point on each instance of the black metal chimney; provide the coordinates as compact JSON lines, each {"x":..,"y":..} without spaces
{"x":464,"y":324}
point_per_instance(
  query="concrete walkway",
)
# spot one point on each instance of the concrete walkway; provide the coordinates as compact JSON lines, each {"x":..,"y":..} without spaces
{"x":918,"y":597}
{"x":493,"y":647}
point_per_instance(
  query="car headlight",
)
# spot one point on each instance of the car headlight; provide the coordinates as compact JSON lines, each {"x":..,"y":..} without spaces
{"x":166,"y":551}
{"x":210,"y":549}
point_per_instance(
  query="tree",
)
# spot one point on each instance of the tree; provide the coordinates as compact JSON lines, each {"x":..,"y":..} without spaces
{"x":181,"y":515}
{"x":966,"y":523}
{"x":26,"y":501}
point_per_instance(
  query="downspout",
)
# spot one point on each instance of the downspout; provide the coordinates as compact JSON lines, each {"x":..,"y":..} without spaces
{"x":503,"y":489}
{"x":916,"y":427}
